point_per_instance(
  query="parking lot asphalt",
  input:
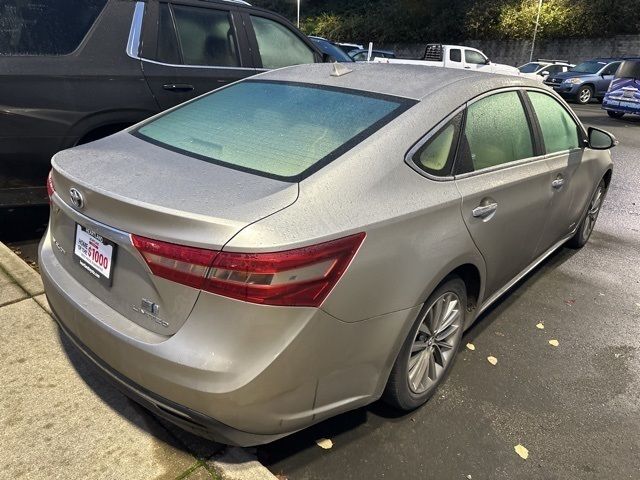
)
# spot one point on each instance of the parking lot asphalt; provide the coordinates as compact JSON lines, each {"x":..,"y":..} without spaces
{"x":575,"y":406}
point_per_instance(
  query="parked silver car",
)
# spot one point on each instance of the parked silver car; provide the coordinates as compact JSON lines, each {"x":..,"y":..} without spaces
{"x":307,"y":241}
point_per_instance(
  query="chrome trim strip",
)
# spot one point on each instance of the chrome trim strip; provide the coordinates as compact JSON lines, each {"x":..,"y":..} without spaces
{"x":502,"y":166}
{"x":217,"y":67}
{"x":487,"y":303}
{"x":133,"y":44}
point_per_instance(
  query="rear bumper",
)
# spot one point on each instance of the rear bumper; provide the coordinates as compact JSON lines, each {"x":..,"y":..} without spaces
{"x":236,"y":373}
{"x":180,"y":415}
{"x":622,"y":105}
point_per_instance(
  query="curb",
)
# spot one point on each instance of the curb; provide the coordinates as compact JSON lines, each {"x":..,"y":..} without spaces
{"x":21,"y":273}
{"x":232,"y":464}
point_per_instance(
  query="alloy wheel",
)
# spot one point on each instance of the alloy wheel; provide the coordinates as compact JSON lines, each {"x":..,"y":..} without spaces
{"x":435,"y":343}
{"x":592,"y":213}
{"x":585,"y":95}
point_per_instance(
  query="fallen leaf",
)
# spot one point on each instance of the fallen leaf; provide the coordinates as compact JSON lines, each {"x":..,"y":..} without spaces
{"x":570,"y":302}
{"x":324,"y":443}
{"x":554,"y":343}
{"x":540,"y":326}
{"x":471,"y":346}
{"x":492,"y":360}
{"x":522,"y":451}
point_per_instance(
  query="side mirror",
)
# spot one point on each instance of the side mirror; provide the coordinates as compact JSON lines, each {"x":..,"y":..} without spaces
{"x":487,"y":62}
{"x":545,"y":73}
{"x":600,"y":139}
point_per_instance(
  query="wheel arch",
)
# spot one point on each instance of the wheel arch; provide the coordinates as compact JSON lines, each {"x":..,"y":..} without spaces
{"x":472,"y":273}
{"x":607,"y":177}
{"x":101,"y":124}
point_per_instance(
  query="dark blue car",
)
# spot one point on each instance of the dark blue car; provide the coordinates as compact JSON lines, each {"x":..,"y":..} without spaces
{"x":585,"y":81}
{"x":624,"y":92}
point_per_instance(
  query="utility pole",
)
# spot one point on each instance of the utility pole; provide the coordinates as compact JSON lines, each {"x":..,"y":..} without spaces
{"x":299,"y":13}
{"x":535,"y":31}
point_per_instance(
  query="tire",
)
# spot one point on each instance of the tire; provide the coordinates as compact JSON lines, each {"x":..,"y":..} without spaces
{"x":591,"y":215}
{"x":615,"y":114}
{"x":584,"y":95}
{"x":406,"y":388}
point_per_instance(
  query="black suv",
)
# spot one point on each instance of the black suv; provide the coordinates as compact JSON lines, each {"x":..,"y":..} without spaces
{"x":78,"y":70}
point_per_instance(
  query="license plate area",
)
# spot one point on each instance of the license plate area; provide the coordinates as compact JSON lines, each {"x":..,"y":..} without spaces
{"x":95,"y":254}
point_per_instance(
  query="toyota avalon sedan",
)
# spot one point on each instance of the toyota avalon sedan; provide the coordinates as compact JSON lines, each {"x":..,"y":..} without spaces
{"x":312,"y":239}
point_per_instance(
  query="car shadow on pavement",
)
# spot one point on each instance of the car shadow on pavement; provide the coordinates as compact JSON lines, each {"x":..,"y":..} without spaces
{"x":110,"y":394}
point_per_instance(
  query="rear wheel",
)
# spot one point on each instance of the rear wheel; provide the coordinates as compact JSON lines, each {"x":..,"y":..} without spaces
{"x":615,"y":114}
{"x":430,"y":348}
{"x":584,"y":95}
{"x":588,"y":222}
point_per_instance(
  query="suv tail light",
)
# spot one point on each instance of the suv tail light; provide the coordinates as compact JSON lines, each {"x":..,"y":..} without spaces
{"x":299,"y":277}
{"x":50,"y":188}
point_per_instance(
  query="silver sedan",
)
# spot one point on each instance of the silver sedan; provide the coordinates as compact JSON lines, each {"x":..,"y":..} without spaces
{"x":309,"y":240}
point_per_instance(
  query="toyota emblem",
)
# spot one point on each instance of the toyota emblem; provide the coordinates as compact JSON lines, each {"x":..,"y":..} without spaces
{"x":76,"y":197}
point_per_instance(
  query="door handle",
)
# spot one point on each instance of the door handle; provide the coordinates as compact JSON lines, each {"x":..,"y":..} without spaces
{"x":558,"y":182}
{"x":178,"y":87}
{"x":482,"y":211}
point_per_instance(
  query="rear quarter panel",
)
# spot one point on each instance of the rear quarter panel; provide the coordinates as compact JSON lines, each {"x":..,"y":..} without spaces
{"x":415,"y":233}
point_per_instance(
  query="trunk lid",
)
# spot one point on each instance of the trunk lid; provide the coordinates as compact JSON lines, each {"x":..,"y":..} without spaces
{"x":130,"y":186}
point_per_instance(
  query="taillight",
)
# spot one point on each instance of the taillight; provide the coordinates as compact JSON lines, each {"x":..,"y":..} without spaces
{"x":186,"y":265}
{"x":299,"y":277}
{"x":50,"y":187}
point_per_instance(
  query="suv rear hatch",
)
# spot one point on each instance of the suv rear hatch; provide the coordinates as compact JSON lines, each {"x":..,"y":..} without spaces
{"x":130,"y":186}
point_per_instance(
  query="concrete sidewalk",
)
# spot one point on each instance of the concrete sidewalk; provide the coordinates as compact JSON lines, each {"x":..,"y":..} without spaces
{"x":59,"y":418}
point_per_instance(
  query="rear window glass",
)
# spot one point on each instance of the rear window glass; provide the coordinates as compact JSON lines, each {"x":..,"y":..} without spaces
{"x":276,"y":129}
{"x":629,"y":69}
{"x":45,"y":27}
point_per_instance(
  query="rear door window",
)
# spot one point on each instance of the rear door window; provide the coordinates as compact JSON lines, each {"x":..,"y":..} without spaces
{"x":559,"y":130}
{"x":45,"y":27}
{"x":497,"y":131}
{"x":275,"y":129}
{"x":279,"y":46}
{"x":611,"y":69}
{"x":205,"y":36}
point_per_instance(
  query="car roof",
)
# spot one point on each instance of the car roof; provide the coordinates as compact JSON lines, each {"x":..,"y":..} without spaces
{"x":401,"y":80}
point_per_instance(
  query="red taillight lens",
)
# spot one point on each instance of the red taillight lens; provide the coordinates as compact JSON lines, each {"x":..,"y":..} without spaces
{"x":186,"y":265}
{"x":50,"y":187}
{"x":300,"y":277}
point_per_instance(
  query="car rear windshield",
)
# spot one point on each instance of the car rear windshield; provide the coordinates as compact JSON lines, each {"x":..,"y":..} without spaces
{"x":281,"y":130}
{"x":629,"y":69}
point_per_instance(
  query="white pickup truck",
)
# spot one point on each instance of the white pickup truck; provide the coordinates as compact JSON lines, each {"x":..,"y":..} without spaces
{"x":455,"y":56}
